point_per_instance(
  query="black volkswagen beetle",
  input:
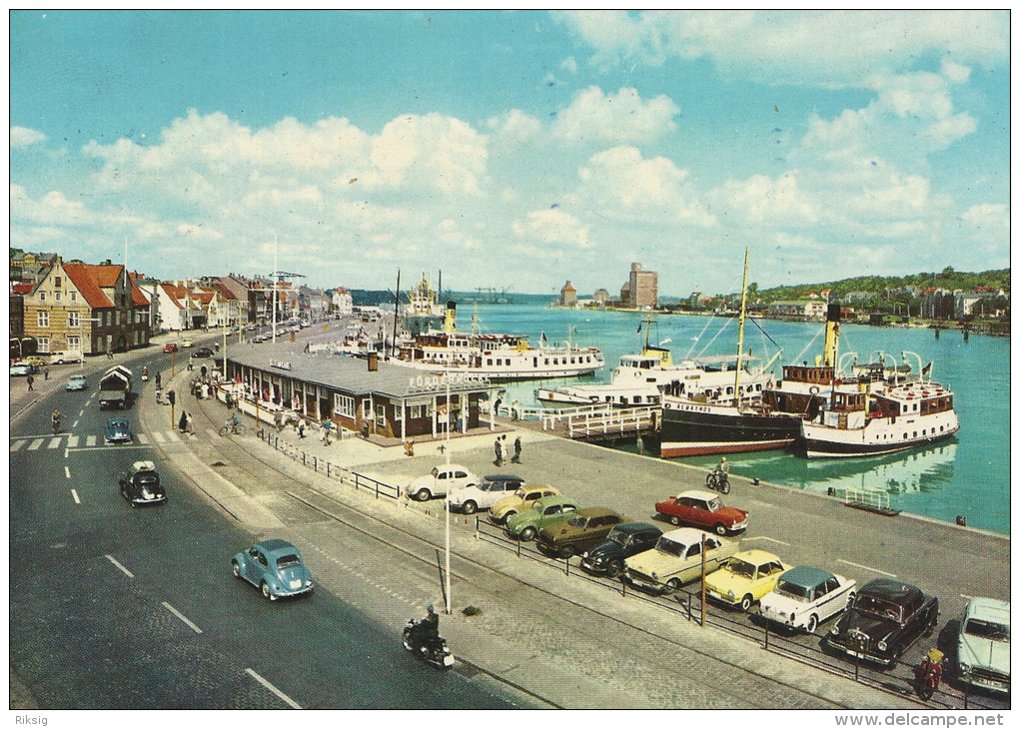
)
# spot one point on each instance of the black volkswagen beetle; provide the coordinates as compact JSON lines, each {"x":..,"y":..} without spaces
{"x":626,"y":540}
{"x":886,"y":617}
{"x":141,"y":485}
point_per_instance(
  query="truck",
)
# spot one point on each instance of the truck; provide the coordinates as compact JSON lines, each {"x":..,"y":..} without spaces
{"x":115,"y":388}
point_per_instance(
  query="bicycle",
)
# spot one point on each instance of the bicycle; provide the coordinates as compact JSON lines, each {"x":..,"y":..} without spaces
{"x":232,"y":427}
{"x":719,"y":481}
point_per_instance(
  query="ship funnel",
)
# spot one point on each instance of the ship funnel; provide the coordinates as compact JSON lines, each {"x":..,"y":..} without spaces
{"x":831,"y":352}
{"x":450,"y":323}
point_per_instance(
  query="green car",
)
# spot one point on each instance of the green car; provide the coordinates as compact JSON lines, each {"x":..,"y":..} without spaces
{"x":547,"y":511}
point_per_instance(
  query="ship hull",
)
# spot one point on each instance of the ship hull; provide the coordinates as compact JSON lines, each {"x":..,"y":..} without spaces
{"x":877,"y":438}
{"x":703,"y":430}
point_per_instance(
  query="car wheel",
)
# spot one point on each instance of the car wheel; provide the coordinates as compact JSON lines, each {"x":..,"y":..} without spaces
{"x":236,"y":569}
{"x":527,"y":534}
{"x":614,"y":568}
{"x":506,"y":516}
{"x":423,"y":495}
{"x":266,"y":592}
{"x":568,"y":552}
{"x":720,"y":529}
{"x":812,"y":624}
{"x":469,"y":507}
{"x":674,"y":520}
{"x":672,"y":586}
{"x":746,"y":602}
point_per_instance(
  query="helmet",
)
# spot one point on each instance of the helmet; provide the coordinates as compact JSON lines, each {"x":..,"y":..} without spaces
{"x":430,"y":609}
{"x":724,"y":459}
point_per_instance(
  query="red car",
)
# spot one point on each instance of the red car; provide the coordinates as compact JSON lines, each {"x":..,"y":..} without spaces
{"x":702,"y":509}
{"x":170,"y":347}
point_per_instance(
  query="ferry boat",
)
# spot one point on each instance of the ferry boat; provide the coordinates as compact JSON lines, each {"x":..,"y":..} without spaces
{"x":500,"y":357}
{"x":422,"y":312}
{"x":866,"y":422}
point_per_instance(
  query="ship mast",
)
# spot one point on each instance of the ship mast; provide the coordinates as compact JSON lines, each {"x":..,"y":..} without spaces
{"x":740,"y":334}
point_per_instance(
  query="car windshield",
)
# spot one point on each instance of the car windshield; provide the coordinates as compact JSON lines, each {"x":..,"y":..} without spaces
{"x":579,"y":521}
{"x":288,"y":560}
{"x":713,"y":505}
{"x":619,"y":536}
{"x":797,"y":592}
{"x":988,"y":630}
{"x":742,"y":568}
{"x":670,"y":547}
{"x":878,"y":607}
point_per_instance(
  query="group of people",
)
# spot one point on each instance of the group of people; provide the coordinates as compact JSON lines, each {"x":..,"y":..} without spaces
{"x":502,"y":449}
{"x":185,"y":424}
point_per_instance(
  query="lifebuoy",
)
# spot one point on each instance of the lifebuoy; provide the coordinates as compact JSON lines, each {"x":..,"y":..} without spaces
{"x":813,"y":389}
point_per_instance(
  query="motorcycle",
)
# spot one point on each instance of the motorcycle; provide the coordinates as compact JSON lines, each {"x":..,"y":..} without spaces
{"x":719,"y":481}
{"x":928,"y":674}
{"x":145,"y":374}
{"x":432,"y":649}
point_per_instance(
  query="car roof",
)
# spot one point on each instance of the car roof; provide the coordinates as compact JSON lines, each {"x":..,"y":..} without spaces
{"x":77,"y":377}
{"x":695,"y":494}
{"x":806,"y":577}
{"x":756,"y":556}
{"x":554,"y":499}
{"x":636,"y":527}
{"x":538,"y":487}
{"x":596,"y":511}
{"x":684,"y":535}
{"x":117,"y":420}
{"x":892,"y":590}
{"x":138,"y":466}
{"x":988,"y":608}
{"x":277,"y":546}
{"x":502,"y":477}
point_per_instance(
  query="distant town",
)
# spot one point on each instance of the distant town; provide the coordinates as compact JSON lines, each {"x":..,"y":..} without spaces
{"x":74,"y":307}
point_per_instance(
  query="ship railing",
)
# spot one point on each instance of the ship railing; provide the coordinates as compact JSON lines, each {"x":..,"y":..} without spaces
{"x":872,"y":500}
{"x":552,"y":417}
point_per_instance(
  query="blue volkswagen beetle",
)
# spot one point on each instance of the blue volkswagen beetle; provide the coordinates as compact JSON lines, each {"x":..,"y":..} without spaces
{"x":118,"y":430}
{"x":275,"y":567}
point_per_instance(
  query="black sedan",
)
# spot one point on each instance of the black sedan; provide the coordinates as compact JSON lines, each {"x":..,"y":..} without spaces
{"x":141,"y":485}
{"x":202,"y":353}
{"x":624,"y":541}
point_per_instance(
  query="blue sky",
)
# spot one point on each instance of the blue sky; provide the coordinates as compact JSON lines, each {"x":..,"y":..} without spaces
{"x":514,"y":148}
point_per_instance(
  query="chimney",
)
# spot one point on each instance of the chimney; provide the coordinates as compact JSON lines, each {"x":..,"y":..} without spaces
{"x":373,"y":361}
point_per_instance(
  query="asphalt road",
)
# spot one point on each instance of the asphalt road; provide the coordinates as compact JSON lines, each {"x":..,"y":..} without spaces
{"x":121,"y":608}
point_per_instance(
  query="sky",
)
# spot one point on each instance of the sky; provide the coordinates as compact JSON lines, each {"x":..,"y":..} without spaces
{"x":513,"y":149}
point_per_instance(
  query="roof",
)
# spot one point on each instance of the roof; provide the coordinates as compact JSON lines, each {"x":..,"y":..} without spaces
{"x":756,"y":556}
{"x":633,"y":527}
{"x":90,"y":280}
{"x":988,"y":608}
{"x":891,"y":590}
{"x":684,"y":535}
{"x":806,"y":577}
{"x":347,"y":374}
{"x":275,"y":546}
{"x":695,"y":494}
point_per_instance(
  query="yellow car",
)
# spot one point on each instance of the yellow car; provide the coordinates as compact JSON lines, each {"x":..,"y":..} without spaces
{"x":521,"y":499}
{"x":746,"y":578}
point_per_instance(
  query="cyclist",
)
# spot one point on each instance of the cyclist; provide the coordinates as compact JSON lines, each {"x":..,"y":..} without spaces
{"x":55,"y":420}
{"x":233,"y":422}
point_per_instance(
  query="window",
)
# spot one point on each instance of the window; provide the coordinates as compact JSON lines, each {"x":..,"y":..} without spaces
{"x":57,"y":296}
{"x":73,"y":319}
{"x":43,"y":344}
{"x":343,"y":405}
{"x":43,"y":318}
{"x":74,"y":296}
{"x":42,"y":296}
{"x":74,"y":344}
{"x":56,"y":282}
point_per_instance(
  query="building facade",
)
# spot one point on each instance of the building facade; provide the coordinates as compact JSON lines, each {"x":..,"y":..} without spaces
{"x":642,"y":288}
{"x":568,"y":295}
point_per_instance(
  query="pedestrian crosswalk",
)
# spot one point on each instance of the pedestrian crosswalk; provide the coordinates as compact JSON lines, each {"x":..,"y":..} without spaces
{"x":71,"y":441}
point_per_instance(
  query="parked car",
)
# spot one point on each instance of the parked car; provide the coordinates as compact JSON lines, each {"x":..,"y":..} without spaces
{"x":546,"y":512}
{"x":275,"y":567}
{"x":625,"y":540}
{"x":886,"y":618}
{"x":170,"y":347}
{"x":745,"y":579}
{"x":439,"y":482}
{"x":807,"y":596}
{"x":484,"y":494}
{"x":35,"y":361}
{"x":676,"y":560}
{"x":523,"y":498}
{"x":201,"y":353}
{"x":702,"y":509}
{"x":76,"y":382}
{"x":21,"y":369}
{"x":118,"y":430}
{"x":187,"y":344}
{"x":66,"y":357}
{"x":141,"y":485}
{"x":982,"y":652}
{"x":586,"y":528}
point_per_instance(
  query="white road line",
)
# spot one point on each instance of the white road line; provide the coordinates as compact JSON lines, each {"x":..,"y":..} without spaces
{"x":55,"y":443}
{"x":34,"y":445}
{"x":90,"y":440}
{"x":81,"y":412}
{"x":965,"y":597}
{"x":159,"y":437}
{"x":119,"y":566}
{"x":273,"y":688}
{"x":865,"y":567}
{"x":74,"y":425}
{"x":143,"y":438}
{"x":173,"y":437}
{"x":67,"y":472}
{"x":75,"y":495}
{"x":769,"y":539}
{"x":16,"y":445}
{"x":72,"y":441}
{"x":183,"y":619}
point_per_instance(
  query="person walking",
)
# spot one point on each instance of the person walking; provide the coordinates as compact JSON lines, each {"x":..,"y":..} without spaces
{"x":326,"y":427}
{"x":517,"y":450}
{"x":301,"y":429}
{"x":182,"y":424}
{"x":46,"y":372}
{"x":159,"y":380}
{"x":499,"y":452}
{"x":278,"y":421}
{"x":31,"y":381}
{"x":189,"y":426}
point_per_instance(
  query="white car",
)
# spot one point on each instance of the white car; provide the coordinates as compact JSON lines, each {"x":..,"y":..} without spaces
{"x":807,"y":596}
{"x":441,"y":481}
{"x":66,"y":357}
{"x":484,"y":494}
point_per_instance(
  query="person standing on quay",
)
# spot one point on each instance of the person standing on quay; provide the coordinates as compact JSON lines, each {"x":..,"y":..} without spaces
{"x":499,"y":452}
{"x":31,"y":381}
{"x":517,"y":450}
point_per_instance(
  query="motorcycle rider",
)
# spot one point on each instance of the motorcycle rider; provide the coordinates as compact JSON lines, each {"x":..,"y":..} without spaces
{"x":427,"y":629}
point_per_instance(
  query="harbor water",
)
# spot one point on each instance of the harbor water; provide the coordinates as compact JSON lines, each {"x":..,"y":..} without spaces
{"x":966,"y":477}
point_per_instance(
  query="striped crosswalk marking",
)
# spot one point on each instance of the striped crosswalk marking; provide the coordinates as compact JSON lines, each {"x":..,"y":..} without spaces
{"x":54,"y":443}
{"x":173,"y":437}
{"x":159,"y":437}
{"x":143,"y":438}
{"x":90,"y":440}
{"x":34,"y":445}
{"x":16,"y":445}
{"x":72,"y":441}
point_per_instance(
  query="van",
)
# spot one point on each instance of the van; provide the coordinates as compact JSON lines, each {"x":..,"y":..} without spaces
{"x":66,"y":357}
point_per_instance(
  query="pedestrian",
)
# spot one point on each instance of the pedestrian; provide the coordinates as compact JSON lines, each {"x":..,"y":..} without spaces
{"x":183,"y":423}
{"x":205,"y":390}
{"x":46,"y":372}
{"x":326,"y":427}
{"x":159,"y":395}
{"x":31,"y":381}
{"x":278,"y":421}
{"x":517,"y":450}
{"x":301,"y":429}
{"x":515,"y":410}
{"x":159,"y":380}
{"x":499,"y":452}
{"x":190,"y":426}
{"x":495,"y":407}
{"x":228,"y":400}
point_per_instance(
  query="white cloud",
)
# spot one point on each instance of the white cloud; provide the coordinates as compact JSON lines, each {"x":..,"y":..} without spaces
{"x":24,"y":137}
{"x":569,"y":65}
{"x":552,"y":227}
{"x":760,"y":199}
{"x":514,"y":127}
{"x":620,"y":118}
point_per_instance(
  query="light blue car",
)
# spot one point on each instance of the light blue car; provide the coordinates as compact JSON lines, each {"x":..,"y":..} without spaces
{"x":982,"y":651}
{"x":275,"y":567}
{"x":118,"y":431}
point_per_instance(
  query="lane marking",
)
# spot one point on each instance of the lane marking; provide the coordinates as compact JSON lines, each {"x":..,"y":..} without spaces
{"x":90,"y":440}
{"x":865,"y":567}
{"x":769,"y":539}
{"x":273,"y":688}
{"x":143,"y":438}
{"x":119,"y":566}
{"x":181,"y":617}
{"x":72,"y":441}
{"x":34,"y":445}
{"x":16,"y":445}
{"x":55,"y":443}
{"x":67,"y":472}
{"x":159,"y":437}
{"x":173,"y":437}
{"x":115,"y":446}
{"x":75,"y":495}
{"x":74,"y":425}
